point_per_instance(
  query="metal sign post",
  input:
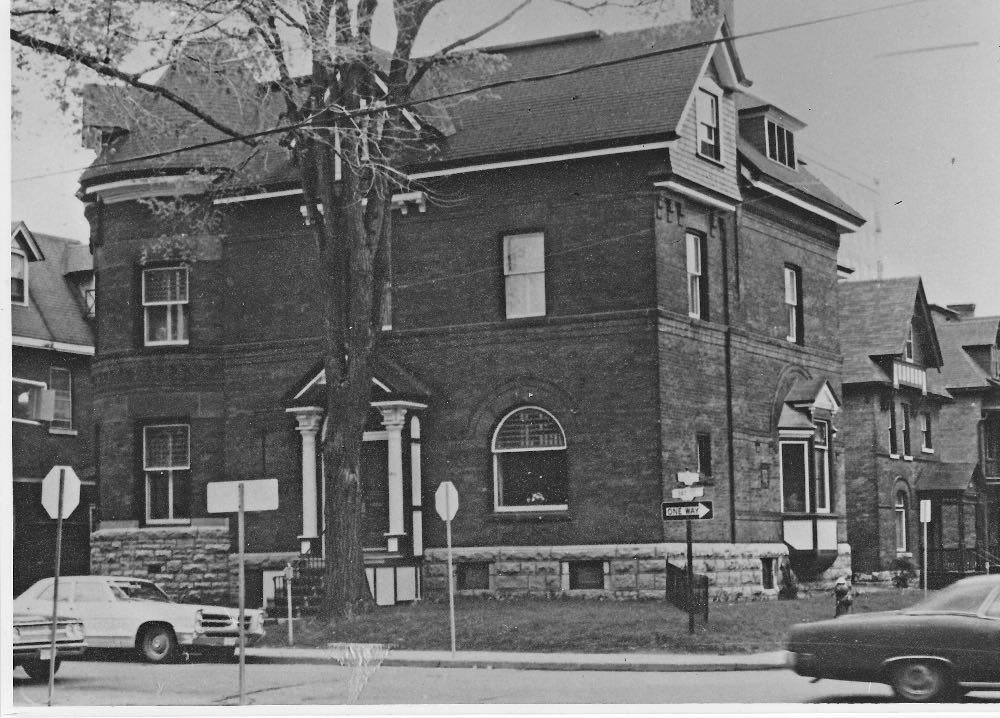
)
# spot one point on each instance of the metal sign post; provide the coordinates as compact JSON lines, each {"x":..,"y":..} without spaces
{"x":242,"y":496}
{"x":289,"y":572}
{"x":925,"y":518}
{"x":60,"y":496}
{"x":241,"y":530}
{"x":688,"y":509}
{"x":446,"y":502}
{"x":690,"y":575}
{"x":55,"y":587}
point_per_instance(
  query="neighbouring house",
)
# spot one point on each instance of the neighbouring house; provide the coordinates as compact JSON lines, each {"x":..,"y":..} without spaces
{"x":632,"y":280}
{"x":970,"y":428}
{"x":52,"y":312}
{"x":898,"y":429}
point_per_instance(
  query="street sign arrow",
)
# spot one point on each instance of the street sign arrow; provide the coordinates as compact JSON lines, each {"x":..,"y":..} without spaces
{"x":687,"y":510}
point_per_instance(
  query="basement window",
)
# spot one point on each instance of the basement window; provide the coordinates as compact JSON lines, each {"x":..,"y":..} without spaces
{"x":473,"y":576}
{"x":586,"y":574}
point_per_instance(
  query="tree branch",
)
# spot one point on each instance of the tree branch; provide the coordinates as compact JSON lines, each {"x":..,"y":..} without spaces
{"x":98,"y":66}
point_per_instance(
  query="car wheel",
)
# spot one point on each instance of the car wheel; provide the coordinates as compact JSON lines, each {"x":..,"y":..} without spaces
{"x":38,"y":670}
{"x":922,"y":682}
{"x":157,"y":644}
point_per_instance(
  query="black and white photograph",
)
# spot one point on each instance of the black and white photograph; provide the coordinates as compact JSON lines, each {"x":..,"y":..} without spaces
{"x":502,"y":357}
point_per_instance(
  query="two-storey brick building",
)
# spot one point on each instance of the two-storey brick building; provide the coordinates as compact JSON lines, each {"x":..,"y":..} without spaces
{"x":599,"y":282}
{"x":52,"y":307}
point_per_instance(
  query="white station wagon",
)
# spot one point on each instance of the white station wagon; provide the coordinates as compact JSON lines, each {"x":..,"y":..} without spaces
{"x":120,"y":612}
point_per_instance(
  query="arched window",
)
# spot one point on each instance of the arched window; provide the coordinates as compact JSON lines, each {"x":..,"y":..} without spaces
{"x":902,"y":508}
{"x":529,"y":462}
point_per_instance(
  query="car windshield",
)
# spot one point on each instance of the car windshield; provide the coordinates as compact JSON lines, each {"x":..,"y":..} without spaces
{"x":139,"y":590}
{"x":956,"y":598}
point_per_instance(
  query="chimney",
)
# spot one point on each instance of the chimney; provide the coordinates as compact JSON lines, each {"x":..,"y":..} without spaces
{"x":964,"y":311}
{"x":708,"y":8}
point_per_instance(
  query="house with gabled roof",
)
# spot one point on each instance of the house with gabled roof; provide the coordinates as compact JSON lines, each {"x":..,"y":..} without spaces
{"x":52,"y":311}
{"x":631,"y":284}
{"x":899,"y":433}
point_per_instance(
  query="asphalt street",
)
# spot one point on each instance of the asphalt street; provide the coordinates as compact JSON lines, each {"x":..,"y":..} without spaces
{"x":118,"y":683}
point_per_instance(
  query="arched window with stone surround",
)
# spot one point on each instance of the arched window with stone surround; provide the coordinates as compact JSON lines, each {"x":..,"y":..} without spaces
{"x":902,"y":509}
{"x":529,"y":462}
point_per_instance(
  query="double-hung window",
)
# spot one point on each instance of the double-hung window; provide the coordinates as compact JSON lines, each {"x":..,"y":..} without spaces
{"x":926,"y":437}
{"x":821,"y":467}
{"x":524,"y":274}
{"x":780,"y":144}
{"x":18,"y":277}
{"x":703,"y":441}
{"x":697,"y":279}
{"x":709,"y":144}
{"x":901,"y":510}
{"x":907,"y":446}
{"x":893,"y":440}
{"x":908,"y":344}
{"x":166,"y":462}
{"x":61,"y":383}
{"x":529,"y":462}
{"x":165,"y":305}
{"x":794,"y":457}
{"x":793,"y":303}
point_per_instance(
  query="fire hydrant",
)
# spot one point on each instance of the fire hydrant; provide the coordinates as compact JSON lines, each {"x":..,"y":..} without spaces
{"x":843,"y":597}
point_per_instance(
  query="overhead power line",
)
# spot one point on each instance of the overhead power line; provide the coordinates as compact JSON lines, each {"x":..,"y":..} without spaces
{"x":487,"y":86}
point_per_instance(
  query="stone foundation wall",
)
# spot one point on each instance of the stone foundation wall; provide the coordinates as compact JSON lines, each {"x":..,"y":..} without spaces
{"x":735,"y":571}
{"x":189,"y":562}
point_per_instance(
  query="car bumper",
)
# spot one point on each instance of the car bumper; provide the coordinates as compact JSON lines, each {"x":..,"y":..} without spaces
{"x":39,"y":653}
{"x":223,"y":640}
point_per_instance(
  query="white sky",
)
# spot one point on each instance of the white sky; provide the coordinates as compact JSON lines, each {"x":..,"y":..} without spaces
{"x":923,"y":124}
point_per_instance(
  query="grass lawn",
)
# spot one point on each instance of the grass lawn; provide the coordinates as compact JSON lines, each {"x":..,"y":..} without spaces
{"x":588,"y":626}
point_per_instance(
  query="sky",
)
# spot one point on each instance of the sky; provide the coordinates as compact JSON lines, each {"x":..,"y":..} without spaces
{"x":904,"y":99}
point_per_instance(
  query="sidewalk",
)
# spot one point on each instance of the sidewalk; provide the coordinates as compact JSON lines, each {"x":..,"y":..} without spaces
{"x":345,"y":654}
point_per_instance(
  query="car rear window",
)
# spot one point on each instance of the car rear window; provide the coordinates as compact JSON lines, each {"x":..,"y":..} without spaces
{"x":957,"y":598}
{"x":141,"y":590}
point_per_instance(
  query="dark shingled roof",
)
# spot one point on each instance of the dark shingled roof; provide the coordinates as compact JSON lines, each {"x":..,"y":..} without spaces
{"x":798,"y":182}
{"x":960,"y":371}
{"x":55,"y":312}
{"x":637,"y":99}
{"x":946,"y":476}
{"x":874,"y":316}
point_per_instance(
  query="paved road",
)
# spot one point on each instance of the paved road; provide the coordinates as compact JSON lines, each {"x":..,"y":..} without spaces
{"x":107,"y":682}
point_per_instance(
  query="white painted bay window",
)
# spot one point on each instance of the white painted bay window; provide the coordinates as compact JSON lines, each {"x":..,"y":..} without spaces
{"x":524,"y":274}
{"x":165,"y":305}
{"x":821,"y":468}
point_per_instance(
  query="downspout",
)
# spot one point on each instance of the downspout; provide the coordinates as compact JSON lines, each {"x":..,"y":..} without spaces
{"x":728,"y":352}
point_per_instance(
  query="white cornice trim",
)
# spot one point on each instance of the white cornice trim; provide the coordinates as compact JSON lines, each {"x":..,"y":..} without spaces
{"x":139,"y":187}
{"x":260,"y":195}
{"x":696,"y":195}
{"x":808,"y":206}
{"x":54,"y":346}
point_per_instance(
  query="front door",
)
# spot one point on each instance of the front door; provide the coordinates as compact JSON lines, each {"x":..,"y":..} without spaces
{"x":375,"y":491}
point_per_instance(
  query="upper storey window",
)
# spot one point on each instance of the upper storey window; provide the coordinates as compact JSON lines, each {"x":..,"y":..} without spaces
{"x":18,"y":277}
{"x":709,"y":142}
{"x":908,"y":344}
{"x":793,"y":303}
{"x":780,"y":144}
{"x":165,"y":305}
{"x":524,"y":274}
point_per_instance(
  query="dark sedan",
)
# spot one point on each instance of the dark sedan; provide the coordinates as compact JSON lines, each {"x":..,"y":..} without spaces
{"x":937,"y":650}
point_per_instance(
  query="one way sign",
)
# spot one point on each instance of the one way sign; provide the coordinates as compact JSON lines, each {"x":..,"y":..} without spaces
{"x":687,"y":510}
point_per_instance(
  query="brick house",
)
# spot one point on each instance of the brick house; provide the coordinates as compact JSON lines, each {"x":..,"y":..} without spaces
{"x":51,"y":299}
{"x":971,"y":423}
{"x":622,"y":286}
{"x":900,"y":429}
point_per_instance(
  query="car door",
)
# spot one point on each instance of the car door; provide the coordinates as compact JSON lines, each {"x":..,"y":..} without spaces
{"x":94,"y":604}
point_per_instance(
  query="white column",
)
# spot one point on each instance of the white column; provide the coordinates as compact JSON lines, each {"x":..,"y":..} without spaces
{"x":393,"y":418}
{"x":415,"y":488}
{"x":309,"y":422}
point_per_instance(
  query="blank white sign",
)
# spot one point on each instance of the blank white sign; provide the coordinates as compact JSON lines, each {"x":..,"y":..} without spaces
{"x":258,"y":495}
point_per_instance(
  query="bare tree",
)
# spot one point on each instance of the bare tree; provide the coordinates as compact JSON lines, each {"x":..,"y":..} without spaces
{"x":348,"y":122}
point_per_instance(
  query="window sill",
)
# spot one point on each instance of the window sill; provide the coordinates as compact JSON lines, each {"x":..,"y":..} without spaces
{"x":63,"y":432}
{"x":712,"y":160}
{"x":29,"y":422}
{"x":926,"y":451}
{"x":893,"y":456}
{"x":156,"y":523}
{"x":531,"y":516}
{"x":907,"y":457}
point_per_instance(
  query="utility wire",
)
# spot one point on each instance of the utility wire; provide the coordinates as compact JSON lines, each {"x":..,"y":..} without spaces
{"x":487,"y":86}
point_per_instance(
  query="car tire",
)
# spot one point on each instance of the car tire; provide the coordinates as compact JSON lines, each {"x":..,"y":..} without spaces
{"x":157,"y":643}
{"x":38,"y":670}
{"x":922,"y":681}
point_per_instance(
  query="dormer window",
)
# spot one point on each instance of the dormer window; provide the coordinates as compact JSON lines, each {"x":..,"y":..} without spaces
{"x":18,"y":277}
{"x":908,"y":344}
{"x":780,"y":144}
{"x":709,"y":144}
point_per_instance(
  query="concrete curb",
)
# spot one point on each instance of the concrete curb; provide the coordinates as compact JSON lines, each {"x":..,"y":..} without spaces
{"x":344,"y":655}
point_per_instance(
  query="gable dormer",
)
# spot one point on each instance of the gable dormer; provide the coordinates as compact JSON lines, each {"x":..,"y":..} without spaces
{"x":769,"y":129}
{"x":24,"y":249}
